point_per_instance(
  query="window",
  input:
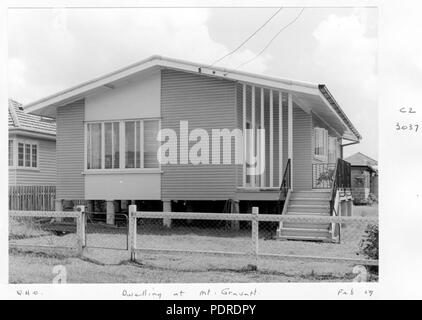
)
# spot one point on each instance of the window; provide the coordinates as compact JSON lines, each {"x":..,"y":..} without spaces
{"x":11,"y":153}
{"x":151,"y":145}
{"x":94,"y":146}
{"x":27,"y":154}
{"x":321,"y":143}
{"x":136,"y":149}
{"x":332,"y":150}
{"x":111,"y":141}
{"x":20,"y":154}
{"x":133,"y":144}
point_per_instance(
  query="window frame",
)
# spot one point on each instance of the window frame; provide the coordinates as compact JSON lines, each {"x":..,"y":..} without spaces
{"x":15,"y":156}
{"x":321,"y":157}
{"x":11,"y":153}
{"x":122,"y":146}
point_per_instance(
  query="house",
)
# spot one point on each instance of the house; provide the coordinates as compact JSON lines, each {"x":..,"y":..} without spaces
{"x":364,"y":175}
{"x":32,"y":159}
{"x":107,"y":130}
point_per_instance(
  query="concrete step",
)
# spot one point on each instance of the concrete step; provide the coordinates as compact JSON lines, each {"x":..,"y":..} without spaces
{"x":309,"y":201}
{"x":322,"y":239}
{"x":306,"y":225}
{"x":308,"y":208}
{"x":300,"y":232}
{"x":311,"y":194}
{"x":311,"y":214}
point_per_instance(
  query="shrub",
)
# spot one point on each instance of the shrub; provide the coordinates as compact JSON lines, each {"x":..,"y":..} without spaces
{"x":373,"y":198}
{"x":369,"y":243}
{"x":369,"y":246}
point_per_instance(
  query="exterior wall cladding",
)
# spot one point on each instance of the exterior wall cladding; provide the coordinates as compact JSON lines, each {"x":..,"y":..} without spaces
{"x":46,"y":172}
{"x":70,"y":151}
{"x":206,"y":103}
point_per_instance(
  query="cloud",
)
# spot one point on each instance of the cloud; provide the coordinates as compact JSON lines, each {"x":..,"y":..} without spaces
{"x":346,"y":55}
{"x":342,"y":45}
{"x":50,"y":50}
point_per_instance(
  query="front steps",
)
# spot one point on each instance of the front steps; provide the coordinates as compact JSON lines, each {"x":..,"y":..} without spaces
{"x":307,"y":203}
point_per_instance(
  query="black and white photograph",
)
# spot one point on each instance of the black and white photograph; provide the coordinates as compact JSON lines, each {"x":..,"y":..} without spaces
{"x":197,"y":144}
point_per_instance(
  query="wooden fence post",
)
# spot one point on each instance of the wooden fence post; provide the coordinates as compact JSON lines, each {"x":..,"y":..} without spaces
{"x":255,"y":235}
{"x":80,"y":228}
{"x":132,"y":232}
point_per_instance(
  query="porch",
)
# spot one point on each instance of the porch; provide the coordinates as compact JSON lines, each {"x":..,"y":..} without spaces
{"x":278,"y":129}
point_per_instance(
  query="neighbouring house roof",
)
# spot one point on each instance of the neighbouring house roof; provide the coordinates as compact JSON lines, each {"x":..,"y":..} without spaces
{"x":19,"y":120}
{"x":361,"y":160}
{"x":311,"y":97}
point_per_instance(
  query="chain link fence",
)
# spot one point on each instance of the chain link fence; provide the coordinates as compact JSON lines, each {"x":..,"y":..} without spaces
{"x":192,"y":241}
{"x":43,"y":229}
{"x":221,"y":241}
{"x":99,"y":234}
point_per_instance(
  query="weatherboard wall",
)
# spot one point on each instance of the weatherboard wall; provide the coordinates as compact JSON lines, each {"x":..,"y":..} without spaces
{"x":44,"y":174}
{"x":70,"y":151}
{"x":207,"y":103}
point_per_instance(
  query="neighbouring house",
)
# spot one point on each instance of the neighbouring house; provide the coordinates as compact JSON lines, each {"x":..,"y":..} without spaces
{"x":32,"y":159}
{"x":364,"y":175}
{"x":107,"y":142}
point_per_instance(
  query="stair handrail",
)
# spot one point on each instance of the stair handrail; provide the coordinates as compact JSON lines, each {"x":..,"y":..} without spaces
{"x":342,"y":180}
{"x":286,"y":184}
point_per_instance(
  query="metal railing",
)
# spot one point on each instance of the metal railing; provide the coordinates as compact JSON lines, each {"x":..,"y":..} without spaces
{"x":286,"y":182}
{"x":341,"y":180}
{"x":323,"y":175}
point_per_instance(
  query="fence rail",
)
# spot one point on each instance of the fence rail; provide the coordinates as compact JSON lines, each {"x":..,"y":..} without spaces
{"x":31,"y":230}
{"x":37,"y":229}
{"x":255,"y":219}
{"x":32,"y":198}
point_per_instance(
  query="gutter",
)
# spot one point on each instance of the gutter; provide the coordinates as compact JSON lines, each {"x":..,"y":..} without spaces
{"x":33,"y":134}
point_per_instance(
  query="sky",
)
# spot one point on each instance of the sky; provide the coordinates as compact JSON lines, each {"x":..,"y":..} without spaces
{"x":52,"y":49}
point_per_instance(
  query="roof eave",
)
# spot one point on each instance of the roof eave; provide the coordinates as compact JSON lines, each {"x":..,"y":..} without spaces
{"x":333,"y":103}
{"x":33,"y":133}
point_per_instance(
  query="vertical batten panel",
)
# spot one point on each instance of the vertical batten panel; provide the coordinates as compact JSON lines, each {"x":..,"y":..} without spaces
{"x":271,"y":139}
{"x":244,"y":132}
{"x":262,"y":145}
{"x":253,"y":137}
{"x":290,"y":131}
{"x":280,"y":136}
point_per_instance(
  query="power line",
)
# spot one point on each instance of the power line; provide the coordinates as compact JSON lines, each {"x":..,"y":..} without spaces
{"x":272,"y":39}
{"x":250,"y":37}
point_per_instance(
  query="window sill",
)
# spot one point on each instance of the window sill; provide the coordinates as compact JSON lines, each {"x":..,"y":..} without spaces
{"x":122,"y":171}
{"x":321,"y":158}
{"x":24,"y":168}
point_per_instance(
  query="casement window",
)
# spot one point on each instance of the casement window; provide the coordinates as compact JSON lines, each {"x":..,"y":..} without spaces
{"x":27,"y":153}
{"x":130,"y":144}
{"x":94,"y":145}
{"x":11,"y":152}
{"x":325,"y":147}
{"x":151,"y":144}
{"x":111,"y":145}
{"x":321,"y":144}
{"x":332,"y":150}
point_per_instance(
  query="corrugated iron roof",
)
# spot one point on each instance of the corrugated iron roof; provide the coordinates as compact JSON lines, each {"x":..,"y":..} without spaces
{"x":19,"y":119}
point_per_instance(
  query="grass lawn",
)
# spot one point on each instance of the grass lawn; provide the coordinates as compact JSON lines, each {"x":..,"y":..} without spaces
{"x":37,"y":268}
